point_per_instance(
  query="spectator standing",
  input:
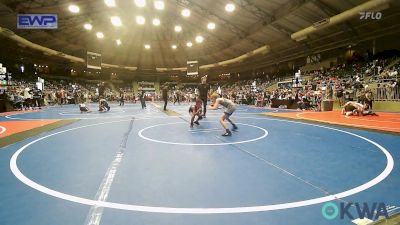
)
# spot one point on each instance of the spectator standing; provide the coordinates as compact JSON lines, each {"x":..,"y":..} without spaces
{"x":165,"y":96}
{"x":143,"y":99}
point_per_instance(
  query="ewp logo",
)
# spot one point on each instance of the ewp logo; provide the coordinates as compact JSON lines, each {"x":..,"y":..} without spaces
{"x":37,"y":21}
{"x":331,"y":211}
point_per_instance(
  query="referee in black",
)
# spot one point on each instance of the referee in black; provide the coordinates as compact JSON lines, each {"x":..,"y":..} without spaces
{"x":203,"y":89}
{"x":165,"y":96}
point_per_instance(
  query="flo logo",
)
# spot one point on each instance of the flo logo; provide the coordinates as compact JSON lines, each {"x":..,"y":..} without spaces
{"x":370,"y":15}
{"x":372,"y":211}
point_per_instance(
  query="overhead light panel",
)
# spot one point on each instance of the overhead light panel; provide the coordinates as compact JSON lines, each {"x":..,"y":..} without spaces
{"x":156,"y":22}
{"x":199,"y":39}
{"x":230,"y":7}
{"x":88,"y":26}
{"x":185,"y":12}
{"x":147,"y":46}
{"x":116,"y":21}
{"x":211,"y":26}
{"x":178,"y":28}
{"x":189,"y":44}
{"x":74,"y":8}
{"x":110,"y":3}
{"x":118,"y":42}
{"x":100,"y":35}
{"x":140,"y":3}
{"x":174,"y":46}
{"x":140,"y":20}
{"x":159,"y":5}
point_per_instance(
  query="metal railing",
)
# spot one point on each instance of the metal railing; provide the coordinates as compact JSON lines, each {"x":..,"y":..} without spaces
{"x":386,"y":93}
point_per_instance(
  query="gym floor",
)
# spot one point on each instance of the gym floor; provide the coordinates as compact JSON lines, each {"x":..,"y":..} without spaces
{"x":142,"y":166}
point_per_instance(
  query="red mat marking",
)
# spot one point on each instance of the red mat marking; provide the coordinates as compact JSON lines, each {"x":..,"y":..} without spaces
{"x":382,"y":122}
{"x":13,"y":127}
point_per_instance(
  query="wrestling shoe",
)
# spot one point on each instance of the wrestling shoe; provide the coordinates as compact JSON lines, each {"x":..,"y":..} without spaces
{"x":234,"y":128}
{"x":227,"y":134}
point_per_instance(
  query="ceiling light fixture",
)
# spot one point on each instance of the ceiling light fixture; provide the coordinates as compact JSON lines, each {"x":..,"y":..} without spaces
{"x":100,"y":35}
{"x":189,"y":44}
{"x":174,"y":46}
{"x":88,"y":26}
{"x":140,"y":20}
{"x":178,"y":28}
{"x":185,"y":12}
{"x":74,"y":8}
{"x":140,"y":3}
{"x":230,"y":7}
{"x":211,"y":26}
{"x":199,"y":39}
{"x":118,"y":42}
{"x":116,"y":21}
{"x":159,"y":5}
{"x":156,"y":22}
{"x":147,"y":46}
{"x":110,"y":3}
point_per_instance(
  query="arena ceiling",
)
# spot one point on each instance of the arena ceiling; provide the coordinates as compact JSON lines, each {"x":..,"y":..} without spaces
{"x":256,"y":33}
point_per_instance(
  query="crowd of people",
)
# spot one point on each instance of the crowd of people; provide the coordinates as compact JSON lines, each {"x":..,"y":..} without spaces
{"x":356,"y":82}
{"x":343,"y":83}
{"x":27,"y":95}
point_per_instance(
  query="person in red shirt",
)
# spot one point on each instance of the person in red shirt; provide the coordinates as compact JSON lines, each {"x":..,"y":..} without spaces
{"x":195,"y":110}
